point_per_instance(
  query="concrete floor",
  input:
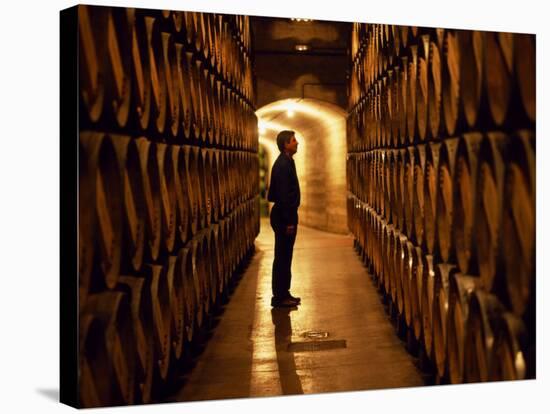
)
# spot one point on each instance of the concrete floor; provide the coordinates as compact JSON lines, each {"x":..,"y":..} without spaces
{"x":248,"y":354}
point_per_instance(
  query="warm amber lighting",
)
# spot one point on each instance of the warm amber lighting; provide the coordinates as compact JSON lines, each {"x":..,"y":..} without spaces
{"x":301,"y":20}
{"x":302,"y":48}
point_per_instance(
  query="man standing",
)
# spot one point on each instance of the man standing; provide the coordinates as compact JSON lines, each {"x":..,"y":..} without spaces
{"x":284,"y":191}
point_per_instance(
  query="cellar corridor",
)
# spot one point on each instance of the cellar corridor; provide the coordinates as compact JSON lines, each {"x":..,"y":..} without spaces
{"x":415,"y":255}
{"x":338,"y":339}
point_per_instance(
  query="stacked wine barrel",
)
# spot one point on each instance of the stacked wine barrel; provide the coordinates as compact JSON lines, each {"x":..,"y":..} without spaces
{"x":441,"y":191}
{"x":168,"y":188}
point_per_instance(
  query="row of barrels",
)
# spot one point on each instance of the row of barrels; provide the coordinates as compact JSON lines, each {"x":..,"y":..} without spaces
{"x":223,"y":40}
{"x":467,"y":200}
{"x":139,"y":200}
{"x":137,"y":73}
{"x":442,"y":83}
{"x":464,"y":329}
{"x":135,"y":334}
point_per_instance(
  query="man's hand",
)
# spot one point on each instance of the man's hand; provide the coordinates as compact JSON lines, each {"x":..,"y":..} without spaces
{"x":290,"y":230}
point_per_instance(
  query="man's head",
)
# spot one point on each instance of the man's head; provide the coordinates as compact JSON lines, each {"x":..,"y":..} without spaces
{"x":286,"y":141}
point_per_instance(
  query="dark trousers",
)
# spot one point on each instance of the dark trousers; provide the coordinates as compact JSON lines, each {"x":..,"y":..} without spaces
{"x":284,"y":246}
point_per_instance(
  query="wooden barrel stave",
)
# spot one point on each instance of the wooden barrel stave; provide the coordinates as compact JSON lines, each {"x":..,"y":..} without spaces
{"x":445,"y":194}
{"x":464,"y":201}
{"x":430,"y":195}
{"x":518,"y":223}
{"x":108,"y":350}
{"x":150,"y":178}
{"x":443,"y":272}
{"x":137,"y":289}
{"x":484,"y":311}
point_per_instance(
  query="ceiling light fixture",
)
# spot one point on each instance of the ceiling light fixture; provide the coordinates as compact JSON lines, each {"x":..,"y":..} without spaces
{"x":301,"y":48}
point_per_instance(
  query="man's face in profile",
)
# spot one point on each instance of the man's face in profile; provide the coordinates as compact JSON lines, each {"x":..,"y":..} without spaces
{"x":291,"y":147}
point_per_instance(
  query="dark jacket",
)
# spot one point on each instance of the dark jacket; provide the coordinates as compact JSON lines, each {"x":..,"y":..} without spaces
{"x":284,"y":191}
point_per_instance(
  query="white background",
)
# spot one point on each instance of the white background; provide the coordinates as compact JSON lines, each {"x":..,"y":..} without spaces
{"x":29,"y":210}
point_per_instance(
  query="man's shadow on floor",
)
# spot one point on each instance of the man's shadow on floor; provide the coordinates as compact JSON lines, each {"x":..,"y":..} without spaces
{"x":290,"y":381}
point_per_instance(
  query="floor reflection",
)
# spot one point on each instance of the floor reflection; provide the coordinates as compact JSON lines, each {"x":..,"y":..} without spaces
{"x":290,"y":381}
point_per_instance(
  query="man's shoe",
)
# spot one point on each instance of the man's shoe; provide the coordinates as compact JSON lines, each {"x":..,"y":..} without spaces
{"x":282,"y":303}
{"x":294,"y":298}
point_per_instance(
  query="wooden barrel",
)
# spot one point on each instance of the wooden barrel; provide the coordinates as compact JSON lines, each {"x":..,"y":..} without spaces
{"x":181,"y":190}
{"x":134,"y":209}
{"x":203,"y":200}
{"x":195,"y":119}
{"x":400,"y":188}
{"x":499,"y":66}
{"x":186,"y":258}
{"x":415,"y":290}
{"x":418,"y":194}
{"x":407,"y":251}
{"x":488,"y":214}
{"x":428,"y":275}
{"x":396,"y":265}
{"x":378,"y":113}
{"x":140,"y":300}
{"x":445,"y":195}
{"x":450,"y":94}
{"x":375,"y":244}
{"x":509,"y":360}
{"x":201,"y":100}
{"x":170,"y":68}
{"x":430,"y":195}
{"x":190,"y":27}
{"x":217,"y":201}
{"x":183,"y":85}
{"x":402,"y":272}
{"x":205,"y":175}
{"x":91,"y":28}
{"x":107,"y":351}
{"x":391,"y":103}
{"x":118,"y":86}
{"x":485,"y":310}
{"x":411,"y":93}
{"x":157,"y":279}
{"x":157,"y":73}
{"x":388,"y":157}
{"x":150,"y":178}
{"x":214,"y":264}
{"x":524,"y":68}
{"x":460,"y":289}
{"x":109,"y":206}
{"x":471,"y":45}
{"x":388,"y":270}
{"x":408,"y":190}
{"x":172,"y":20}
{"x":192,"y":187}
{"x":422,"y":93}
{"x":404,"y":34}
{"x":168,"y":198}
{"x":434,"y":91}
{"x":91,"y":350}
{"x":216,"y":249}
{"x":215,"y":87}
{"x":401,"y":108}
{"x":200,"y":40}
{"x":464,"y":200}
{"x":200,"y":274}
{"x":88,"y":153}
{"x":141,"y":76}
{"x":175,"y":276}
{"x":443,"y":272}
{"x":518,"y":222}
{"x":208,"y":105}
{"x":226,"y":251}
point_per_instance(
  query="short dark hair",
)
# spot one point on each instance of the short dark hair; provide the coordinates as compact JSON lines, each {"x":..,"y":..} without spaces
{"x":284,"y":138}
